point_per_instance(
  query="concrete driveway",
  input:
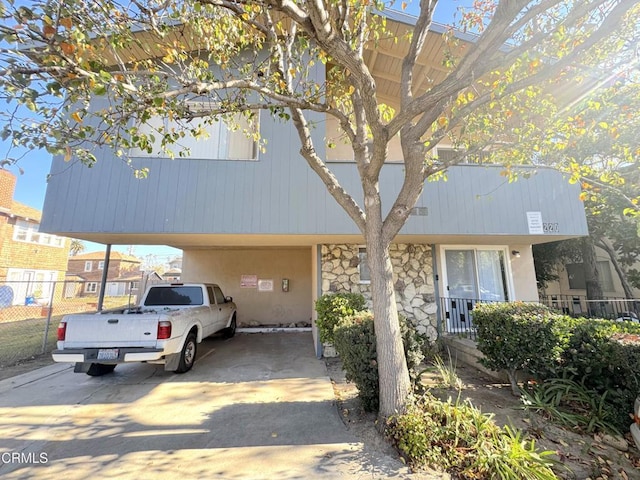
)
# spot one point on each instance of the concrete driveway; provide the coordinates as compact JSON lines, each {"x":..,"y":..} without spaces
{"x":258,"y":406}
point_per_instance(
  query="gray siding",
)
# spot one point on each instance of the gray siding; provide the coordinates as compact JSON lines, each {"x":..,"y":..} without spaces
{"x":279,"y":194}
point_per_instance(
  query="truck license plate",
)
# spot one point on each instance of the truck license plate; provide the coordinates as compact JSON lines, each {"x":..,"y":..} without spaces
{"x":108,"y":354}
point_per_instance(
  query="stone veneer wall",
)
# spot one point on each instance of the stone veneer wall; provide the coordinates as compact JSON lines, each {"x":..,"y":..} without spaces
{"x":412,"y":277}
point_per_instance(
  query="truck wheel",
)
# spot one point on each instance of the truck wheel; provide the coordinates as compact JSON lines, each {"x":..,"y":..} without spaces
{"x":230,"y":331}
{"x":99,"y":369}
{"x":188,"y":354}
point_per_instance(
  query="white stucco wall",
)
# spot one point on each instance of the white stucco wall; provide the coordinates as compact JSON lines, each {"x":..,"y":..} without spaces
{"x":524,"y":274}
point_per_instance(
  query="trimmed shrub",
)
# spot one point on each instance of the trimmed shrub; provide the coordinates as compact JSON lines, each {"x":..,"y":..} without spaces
{"x":521,"y":336}
{"x":605,"y":357}
{"x":355,"y":341}
{"x":458,"y":438}
{"x":602,"y":356}
{"x":331,"y":307}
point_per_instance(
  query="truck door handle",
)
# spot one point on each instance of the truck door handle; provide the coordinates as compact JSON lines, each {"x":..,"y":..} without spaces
{"x":112,"y":320}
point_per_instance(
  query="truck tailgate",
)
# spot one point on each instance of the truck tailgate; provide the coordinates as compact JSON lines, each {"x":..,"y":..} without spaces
{"x":111,"y":330}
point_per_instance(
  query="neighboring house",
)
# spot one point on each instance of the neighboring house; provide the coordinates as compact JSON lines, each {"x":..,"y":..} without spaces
{"x":175,"y":263}
{"x":172,"y":275}
{"x":264,"y":227}
{"x":569,"y":291}
{"x":30,"y":260}
{"x":123,"y":275}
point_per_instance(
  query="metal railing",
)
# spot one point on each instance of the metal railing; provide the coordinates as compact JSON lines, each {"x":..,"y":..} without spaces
{"x":457,"y":316}
{"x":457,"y":313}
{"x":31,"y":310}
{"x":579,"y":306}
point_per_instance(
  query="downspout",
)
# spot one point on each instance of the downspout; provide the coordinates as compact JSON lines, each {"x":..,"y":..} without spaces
{"x":105,"y":272}
{"x":436,"y":289}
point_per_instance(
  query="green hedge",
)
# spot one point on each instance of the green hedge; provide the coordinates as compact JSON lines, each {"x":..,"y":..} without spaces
{"x":601,"y":355}
{"x":355,"y":341}
{"x":521,"y":336}
{"x":331,"y":307}
{"x":605,"y":357}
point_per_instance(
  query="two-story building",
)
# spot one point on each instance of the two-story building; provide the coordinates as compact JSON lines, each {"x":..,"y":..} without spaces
{"x":30,"y":260}
{"x":264,"y":227}
{"x":124,"y":274}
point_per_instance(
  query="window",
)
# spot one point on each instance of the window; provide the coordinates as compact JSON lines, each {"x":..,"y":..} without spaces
{"x":88,"y":266}
{"x":28,"y":232}
{"x":219,"y":296}
{"x":101,"y":265}
{"x":218,"y":143}
{"x":91,"y":287}
{"x":476,"y":273}
{"x":577,"y":281}
{"x":174,"y":295}
{"x":363,"y":266}
{"x":449,"y":154}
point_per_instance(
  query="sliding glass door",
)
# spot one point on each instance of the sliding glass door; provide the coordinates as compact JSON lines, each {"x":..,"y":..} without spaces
{"x":472,"y":274}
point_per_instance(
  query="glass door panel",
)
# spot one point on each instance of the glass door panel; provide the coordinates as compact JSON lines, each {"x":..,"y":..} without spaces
{"x":492,"y":276}
{"x":461,"y":273}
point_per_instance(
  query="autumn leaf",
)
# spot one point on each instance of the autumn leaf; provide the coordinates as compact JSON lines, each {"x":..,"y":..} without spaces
{"x":66,"y":23}
{"x":67,"y":48}
{"x":76,"y":116}
{"x":48,"y":31}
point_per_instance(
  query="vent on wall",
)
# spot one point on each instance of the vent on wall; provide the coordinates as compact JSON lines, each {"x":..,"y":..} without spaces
{"x":420,"y":211}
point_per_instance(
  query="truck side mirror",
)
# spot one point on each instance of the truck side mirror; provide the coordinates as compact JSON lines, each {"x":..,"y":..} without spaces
{"x":228,"y":299}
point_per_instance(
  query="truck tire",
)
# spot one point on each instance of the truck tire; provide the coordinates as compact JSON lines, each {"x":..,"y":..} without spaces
{"x":230,"y":331}
{"x":99,"y":369}
{"x":188,"y":354}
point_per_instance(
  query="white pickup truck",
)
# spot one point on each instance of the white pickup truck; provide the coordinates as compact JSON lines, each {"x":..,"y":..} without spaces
{"x":164,"y":329}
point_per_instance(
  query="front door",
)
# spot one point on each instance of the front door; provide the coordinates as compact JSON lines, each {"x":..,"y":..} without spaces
{"x":471,"y":275}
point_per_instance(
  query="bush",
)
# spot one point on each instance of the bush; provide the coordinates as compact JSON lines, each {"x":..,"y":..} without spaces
{"x":461,"y":440}
{"x":355,"y":341}
{"x":602,"y":356}
{"x":605,"y":357}
{"x":521,"y":336}
{"x":331,"y":307}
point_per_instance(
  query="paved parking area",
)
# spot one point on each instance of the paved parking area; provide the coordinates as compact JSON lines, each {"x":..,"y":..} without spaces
{"x":257,"y":406}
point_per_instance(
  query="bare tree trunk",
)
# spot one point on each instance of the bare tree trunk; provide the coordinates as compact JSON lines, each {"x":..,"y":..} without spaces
{"x":393,"y":374}
{"x":622,"y":275}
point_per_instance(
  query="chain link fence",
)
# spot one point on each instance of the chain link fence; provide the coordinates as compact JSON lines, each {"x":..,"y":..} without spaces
{"x":30,"y":312}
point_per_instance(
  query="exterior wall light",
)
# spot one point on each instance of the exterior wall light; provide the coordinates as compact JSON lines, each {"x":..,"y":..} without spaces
{"x":515,"y":253}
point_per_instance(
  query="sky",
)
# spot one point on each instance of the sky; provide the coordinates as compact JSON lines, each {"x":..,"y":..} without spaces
{"x":34,"y":165}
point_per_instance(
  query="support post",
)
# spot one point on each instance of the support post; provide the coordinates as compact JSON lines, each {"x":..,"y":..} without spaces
{"x":105,"y":272}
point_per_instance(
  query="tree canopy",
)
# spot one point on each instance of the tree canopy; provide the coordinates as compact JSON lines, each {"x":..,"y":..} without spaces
{"x":83,"y":74}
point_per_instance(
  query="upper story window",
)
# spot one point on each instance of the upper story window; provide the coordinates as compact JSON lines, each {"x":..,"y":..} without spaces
{"x":101,"y":265}
{"x":218,"y":141}
{"x":88,"y":266}
{"x":447,"y":154}
{"x":28,"y":232}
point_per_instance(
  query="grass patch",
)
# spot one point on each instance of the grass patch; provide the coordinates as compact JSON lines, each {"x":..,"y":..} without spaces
{"x":23,"y":338}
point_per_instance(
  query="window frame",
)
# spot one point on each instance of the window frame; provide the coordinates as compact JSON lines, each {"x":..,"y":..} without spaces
{"x":88,"y":265}
{"x":362,"y":258}
{"x":190,"y":142}
{"x":29,"y":233}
